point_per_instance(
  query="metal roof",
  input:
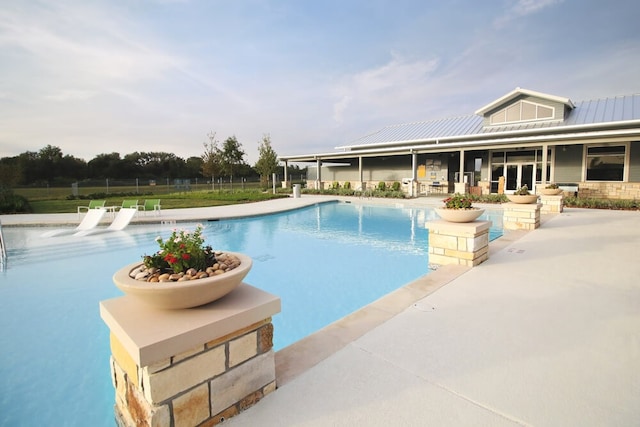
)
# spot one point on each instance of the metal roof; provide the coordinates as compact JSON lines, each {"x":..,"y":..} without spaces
{"x":614,"y":110}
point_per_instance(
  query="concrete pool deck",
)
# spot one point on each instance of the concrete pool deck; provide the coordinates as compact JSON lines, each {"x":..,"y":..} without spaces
{"x":546,"y":332}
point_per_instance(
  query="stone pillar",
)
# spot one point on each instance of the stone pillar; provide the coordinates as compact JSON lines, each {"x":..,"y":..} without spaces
{"x":192,"y":366}
{"x":552,"y":204}
{"x":521,"y":216}
{"x":458,"y":243}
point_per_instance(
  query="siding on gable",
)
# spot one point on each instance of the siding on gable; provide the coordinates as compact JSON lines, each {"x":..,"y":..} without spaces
{"x":559,"y":108}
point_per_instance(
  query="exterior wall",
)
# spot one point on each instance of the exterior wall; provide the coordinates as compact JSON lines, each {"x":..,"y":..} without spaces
{"x":568,"y":164}
{"x":634,"y":162}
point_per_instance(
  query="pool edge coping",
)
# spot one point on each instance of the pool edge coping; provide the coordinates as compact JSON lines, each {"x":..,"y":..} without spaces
{"x":302,"y":355}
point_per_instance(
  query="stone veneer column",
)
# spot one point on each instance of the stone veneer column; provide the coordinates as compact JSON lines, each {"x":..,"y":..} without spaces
{"x":458,"y":243}
{"x":552,"y":204}
{"x":194,"y":366}
{"x":521,"y":216}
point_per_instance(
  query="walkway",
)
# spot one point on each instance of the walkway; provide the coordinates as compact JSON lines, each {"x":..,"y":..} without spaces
{"x":546,"y":333}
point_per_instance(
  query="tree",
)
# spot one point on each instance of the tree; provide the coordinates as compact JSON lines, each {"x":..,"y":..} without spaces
{"x":232,"y":156}
{"x":212,"y":159}
{"x":104,"y":166}
{"x":267,"y":162}
{"x":193,"y":167}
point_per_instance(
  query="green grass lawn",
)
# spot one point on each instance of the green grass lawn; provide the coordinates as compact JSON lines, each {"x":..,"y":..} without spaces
{"x":56,"y":200}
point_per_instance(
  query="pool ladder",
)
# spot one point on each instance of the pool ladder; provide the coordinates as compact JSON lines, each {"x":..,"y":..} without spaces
{"x":3,"y":250}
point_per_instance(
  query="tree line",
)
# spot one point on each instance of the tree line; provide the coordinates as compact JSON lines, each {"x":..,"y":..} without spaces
{"x":50,"y":166}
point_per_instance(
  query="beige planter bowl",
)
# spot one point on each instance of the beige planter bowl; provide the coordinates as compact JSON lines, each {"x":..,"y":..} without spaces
{"x":459,"y":215}
{"x":530,"y":198}
{"x":175,"y":295}
{"x":551,"y":191}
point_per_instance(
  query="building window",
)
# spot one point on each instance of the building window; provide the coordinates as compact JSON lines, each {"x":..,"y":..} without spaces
{"x":522,"y":111}
{"x":605,"y":163}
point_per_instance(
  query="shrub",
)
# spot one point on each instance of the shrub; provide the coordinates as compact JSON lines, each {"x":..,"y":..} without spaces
{"x":382,"y":186}
{"x":347,"y":185}
{"x":335,"y":185}
{"x":395,"y":186}
{"x":618,"y":204}
{"x":13,"y":203}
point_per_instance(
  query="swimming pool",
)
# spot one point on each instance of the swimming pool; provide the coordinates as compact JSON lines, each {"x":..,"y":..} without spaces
{"x":54,"y":364}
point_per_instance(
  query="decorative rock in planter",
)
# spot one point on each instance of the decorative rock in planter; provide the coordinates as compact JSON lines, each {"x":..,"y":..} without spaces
{"x":183,"y":294}
{"x":459,"y":215}
{"x":525,"y":199}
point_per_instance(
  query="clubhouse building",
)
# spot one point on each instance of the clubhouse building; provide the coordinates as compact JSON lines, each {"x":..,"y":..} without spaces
{"x":590,"y":148}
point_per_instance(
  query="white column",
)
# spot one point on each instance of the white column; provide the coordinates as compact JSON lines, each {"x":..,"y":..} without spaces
{"x":360,"y":173}
{"x":461,"y":175}
{"x":414,"y":173}
{"x":286,"y":166}
{"x":544,"y":177}
{"x":319,"y":177}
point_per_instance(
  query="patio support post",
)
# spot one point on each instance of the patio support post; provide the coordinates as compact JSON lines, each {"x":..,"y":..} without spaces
{"x":414,"y":173}
{"x":460,"y":186}
{"x":285,"y":183}
{"x":544,"y":177}
{"x":360,"y":173}
{"x":319,"y":176}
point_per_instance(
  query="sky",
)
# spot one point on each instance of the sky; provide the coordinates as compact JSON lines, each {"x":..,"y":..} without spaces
{"x":102,"y":76}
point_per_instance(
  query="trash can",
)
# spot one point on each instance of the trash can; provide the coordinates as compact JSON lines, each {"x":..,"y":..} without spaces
{"x":296,"y":191}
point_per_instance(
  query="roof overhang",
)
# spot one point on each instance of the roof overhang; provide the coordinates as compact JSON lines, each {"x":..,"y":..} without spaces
{"x":573,"y":134}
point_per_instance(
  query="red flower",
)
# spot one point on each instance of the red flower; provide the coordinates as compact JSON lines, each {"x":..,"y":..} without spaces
{"x":186,"y":256}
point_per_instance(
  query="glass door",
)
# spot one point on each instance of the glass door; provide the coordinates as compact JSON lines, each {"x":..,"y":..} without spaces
{"x":519,"y":174}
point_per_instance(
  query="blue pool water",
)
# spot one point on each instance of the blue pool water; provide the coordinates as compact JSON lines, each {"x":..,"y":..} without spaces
{"x":324,"y":262}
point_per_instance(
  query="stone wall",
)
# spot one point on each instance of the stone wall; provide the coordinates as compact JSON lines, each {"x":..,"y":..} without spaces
{"x":521,"y":216}
{"x":206,"y":384}
{"x":458,"y":243}
{"x":609,"y":190}
{"x":190,"y":367}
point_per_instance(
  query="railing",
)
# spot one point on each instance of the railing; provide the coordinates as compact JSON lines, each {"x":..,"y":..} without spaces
{"x":3,"y":250}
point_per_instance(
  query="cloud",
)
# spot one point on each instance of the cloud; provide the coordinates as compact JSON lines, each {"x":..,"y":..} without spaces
{"x":384,"y":87}
{"x":523,"y":8}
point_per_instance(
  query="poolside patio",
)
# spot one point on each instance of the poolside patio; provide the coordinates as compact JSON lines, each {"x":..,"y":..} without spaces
{"x":546,"y":332}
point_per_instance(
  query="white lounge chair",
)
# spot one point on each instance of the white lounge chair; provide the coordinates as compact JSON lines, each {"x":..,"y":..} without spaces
{"x":90,"y":220}
{"x":122,"y":219}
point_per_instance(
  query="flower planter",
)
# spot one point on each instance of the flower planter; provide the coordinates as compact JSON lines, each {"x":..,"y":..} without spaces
{"x":551,"y":191}
{"x":459,"y":215}
{"x":524,"y":199}
{"x":187,"y":294}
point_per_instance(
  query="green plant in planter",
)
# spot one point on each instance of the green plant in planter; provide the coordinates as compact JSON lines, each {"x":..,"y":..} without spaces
{"x":382,"y":186}
{"x":552,"y":186}
{"x":458,"y":201}
{"x":522,"y":191}
{"x":181,"y":251}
